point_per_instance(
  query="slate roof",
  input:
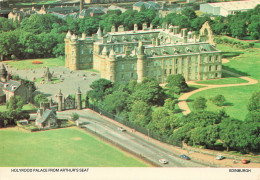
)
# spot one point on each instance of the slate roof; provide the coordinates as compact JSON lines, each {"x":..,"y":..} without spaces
{"x":94,"y":10}
{"x":148,"y":5}
{"x":179,"y":49}
{"x":60,"y":16}
{"x":45,"y":115}
{"x":10,"y":84}
{"x":2,"y":93}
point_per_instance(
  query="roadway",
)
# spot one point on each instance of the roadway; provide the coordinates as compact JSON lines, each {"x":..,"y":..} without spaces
{"x":128,"y":139}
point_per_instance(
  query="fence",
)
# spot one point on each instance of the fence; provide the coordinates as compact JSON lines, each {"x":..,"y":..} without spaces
{"x":130,"y":124}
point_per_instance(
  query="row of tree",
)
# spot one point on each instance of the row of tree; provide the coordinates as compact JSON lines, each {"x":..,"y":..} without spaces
{"x":43,"y":35}
{"x":148,"y":105}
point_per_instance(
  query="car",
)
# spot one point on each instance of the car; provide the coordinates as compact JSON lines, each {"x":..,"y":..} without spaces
{"x":121,"y":129}
{"x":163,"y":161}
{"x":220,"y":157}
{"x":245,"y":161}
{"x":183,"y":156}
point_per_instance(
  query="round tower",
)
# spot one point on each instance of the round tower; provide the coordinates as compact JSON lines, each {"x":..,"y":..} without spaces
{"x":79,"y":102}
{"x":111,"y":66}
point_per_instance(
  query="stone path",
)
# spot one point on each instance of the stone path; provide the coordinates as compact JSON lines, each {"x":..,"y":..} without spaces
{"x":183,"y":99}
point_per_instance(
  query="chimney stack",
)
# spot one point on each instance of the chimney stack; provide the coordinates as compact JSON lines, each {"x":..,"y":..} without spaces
{"x":81,"y":6}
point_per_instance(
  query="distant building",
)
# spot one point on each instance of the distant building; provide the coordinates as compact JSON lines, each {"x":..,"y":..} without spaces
{"x":228,"y":8}
{"x":113,"y":7}
{"x":132,"y":55}
{"x":92,"y":11}
{"x":148,"y":5}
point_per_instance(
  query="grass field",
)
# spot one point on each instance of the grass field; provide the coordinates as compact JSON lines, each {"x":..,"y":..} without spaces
{"x":223,"y":81}
{"x":27,"y":64}
{"x":244,"y":62}
{"x":25,"y":107}
{"x":67,"y":147}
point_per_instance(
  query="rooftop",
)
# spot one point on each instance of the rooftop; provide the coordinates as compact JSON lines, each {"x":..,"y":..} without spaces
{"x":237,"y":5}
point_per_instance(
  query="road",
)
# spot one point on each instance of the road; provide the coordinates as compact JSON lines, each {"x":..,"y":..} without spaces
{"x":128,"y":139}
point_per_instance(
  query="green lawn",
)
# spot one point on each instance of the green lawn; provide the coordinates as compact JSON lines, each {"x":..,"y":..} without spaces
{"x":67,"y":147}
{"x":223,"y":81}
{"x":25,"y":107}
{"x":244,"y":62}
{"x":27,"y":64}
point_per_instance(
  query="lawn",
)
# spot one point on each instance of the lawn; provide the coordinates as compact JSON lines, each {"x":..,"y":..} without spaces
{"x":67,"y":147}
{"x":244,"y":62}
{"x":223,"y":81}
{"x":27,"y":64}
{"x":25,"y":107}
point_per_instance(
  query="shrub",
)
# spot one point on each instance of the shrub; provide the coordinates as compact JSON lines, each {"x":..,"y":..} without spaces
{"x":37,"y":62}
{"x":218,"y":100}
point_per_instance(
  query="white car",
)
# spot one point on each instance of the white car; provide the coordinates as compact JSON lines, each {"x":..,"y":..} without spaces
{"x":121,"y":129}
{"x":220,"y":157}
{"x":163,"y":161}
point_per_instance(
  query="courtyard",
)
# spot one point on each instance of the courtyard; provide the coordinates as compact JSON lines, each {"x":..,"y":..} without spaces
{"x":69,"y":81}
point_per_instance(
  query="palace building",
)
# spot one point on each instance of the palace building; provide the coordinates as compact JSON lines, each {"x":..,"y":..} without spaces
{"x":132,"y":55}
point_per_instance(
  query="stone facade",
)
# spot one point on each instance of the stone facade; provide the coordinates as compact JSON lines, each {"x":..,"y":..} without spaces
{"x":9,"y":87}
{"x":132,"y":55}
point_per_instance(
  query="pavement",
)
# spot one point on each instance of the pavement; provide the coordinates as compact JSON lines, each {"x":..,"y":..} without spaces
{"x":71,"y":80}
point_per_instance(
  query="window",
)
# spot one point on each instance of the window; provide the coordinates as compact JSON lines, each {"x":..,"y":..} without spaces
{"x":122,"y":76}
{"x":196,"y":59}
{"x":132,"y":75}
{"x":132,"y":66}
{"x":165,"y":62}
{"x":170,"y":71}
{"x":210,"y":58}
{"x":120,"y":49}
{"x":216,"y":57}
{"x":176,"y":71}
{"x":182,"y":61}
{"x":82,"y":52}
{"x":176,"y":61}
{"x":123,"y":66}
{"x":171,"y":62}
{"x":189,"y":60}
{"x":73,"y":52}
{"x":196,"y":69}
{"x":210,"y":68}
{"x":204,"y":59}
{"x":159,"y":63}
{"x":165,"y":71}
{"x":154,"y":63}
{"x":216,"y":67}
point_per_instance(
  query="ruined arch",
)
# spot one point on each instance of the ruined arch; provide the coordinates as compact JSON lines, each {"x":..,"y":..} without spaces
{"x":206,"y":33}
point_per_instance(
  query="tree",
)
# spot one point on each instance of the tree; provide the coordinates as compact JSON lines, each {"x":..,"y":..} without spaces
{"x":199,"y":104}
{"x":40,"y":98}
{"x":189,"y":12}
{"x":74,"y":116}
{"x":218,"y":100}
{"x":254,"y":101}
{"x":15,"y":103}
{"x":161,"y":121}
{"x":175,"y":82}
{"x":140,"y":113}
{"x":99,"y":88}
{"x":170,"y":104}
{"x":116,"y":102}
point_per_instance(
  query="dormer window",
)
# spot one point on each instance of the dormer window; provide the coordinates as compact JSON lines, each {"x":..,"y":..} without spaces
{"x":202,"y":49}
{"x":175,"y":51}
{"x":188,"y":50}
{"x":13,"y":88}
{"x":6,"y":85}
{"x":164,"y":52}
{"x":153,"y":53}
{"x":124,"y":39}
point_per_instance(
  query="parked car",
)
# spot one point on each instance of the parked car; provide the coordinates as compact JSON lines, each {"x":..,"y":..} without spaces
{"x":121,"y":129}
{"x":163,"y":161}
{"x":183,"y":156}
{"x":220,"y":157}
{"x":245,"y":161}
